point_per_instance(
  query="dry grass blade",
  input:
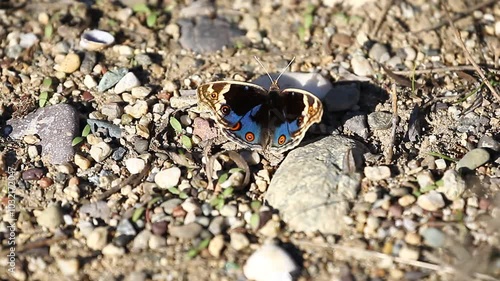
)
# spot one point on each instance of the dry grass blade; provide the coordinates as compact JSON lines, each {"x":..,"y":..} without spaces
{"x":468,"y":55}
{"x":440,"y":70}
{"x":395,"y":121}
{"x":131,"y":180}
{"x":381,"y":19}
{"x":403,"y":81}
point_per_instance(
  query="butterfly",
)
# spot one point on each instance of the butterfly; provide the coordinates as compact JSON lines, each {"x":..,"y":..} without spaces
{"x":274,"y":120}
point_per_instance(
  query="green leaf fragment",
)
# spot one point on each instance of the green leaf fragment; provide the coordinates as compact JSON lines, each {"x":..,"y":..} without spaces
{"x":141,"y":8}
{"x":76,"y":141}
{"x":174,"y":190}
{"x":223,"y":178}
{"x":138,"y":214}
{"x":47,"y":82}
{"x":186,"y":142}
{"x":151,"y":19}
{"x":183,"y":195}
{"x":43,"y":99}
{"x":48,"y":31}
{"x":176,"y":125}
{"x":255,"y":205}
{"x":255,"y":221}
{"x":227,"y":192}
{"x":86,"y":131}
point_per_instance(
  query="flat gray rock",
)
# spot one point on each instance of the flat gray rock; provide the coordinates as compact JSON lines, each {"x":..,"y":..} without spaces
{"x":56,"y":125}
{"x":204,"y":35}
{"x":309,"y":189}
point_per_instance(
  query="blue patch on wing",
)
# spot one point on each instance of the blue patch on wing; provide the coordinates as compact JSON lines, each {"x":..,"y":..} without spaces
{"x":286,"y":129}
{"x":247,"y":125}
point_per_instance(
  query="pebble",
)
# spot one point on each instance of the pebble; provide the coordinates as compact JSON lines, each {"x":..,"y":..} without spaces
{"x":135,"y":165}
{"x":56,"y":125}
{"x":111,"y":78}
{"x":188,"y":231}
{"x":82,"y":162}
{"x":431,"y":201}
{"x":139,"y":109}
{"x":143,"y":59}
{"x":191,"y":206}
{"x":112,"y":110}
{"x":377,"y":173}
{"x":229,"y":210}
{"x":140,"y":92}
{"x":425,"y":179}
{"x":89,"y":82}
{"x":473,"y":159}
{"x":88,"y":63}
{"x":489,"y":142}
{"x":216,"y":245}
{"x":141,"y":241}
{"x":125,"y":227}
{"x":217,"y":225}
{"x":239,"y":241}
{"x":356,"y":123}
{"x":380,"y":120}
{"x":51,"y":217}
{"x":156,"y":242}
{"x":113,"y":250}
{"x":361,"y":66}
{"x":269,"y":262}
{"x":32,"y":174}
{"x":119,"y":153}
{"x":26,"y":40}
{"x":409,"y":253}
{"x":159,"y":228}
{"x":251,"y":157}
{"x":453,"y":185}
{"x":168,"y":178}
{"x":406,"y":200}
{"x":98,"y":238}
{"x":434,"y":237}
{"x":103,"y":127}
{"x":379,"y":53}
{"x":413,"y":238}
{"x":169,"y":205}
{"x":68,"y":266}
{"x":100,"y":151}
{"x":70,"y":63}
{"x":440,"y":164}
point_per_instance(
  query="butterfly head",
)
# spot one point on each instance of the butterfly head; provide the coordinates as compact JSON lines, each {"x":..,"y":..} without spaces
{"x":274,"y":82}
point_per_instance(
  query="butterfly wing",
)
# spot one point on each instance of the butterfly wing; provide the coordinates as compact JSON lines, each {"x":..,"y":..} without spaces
{"x":240,"y":109}
{"x":295,"y":111}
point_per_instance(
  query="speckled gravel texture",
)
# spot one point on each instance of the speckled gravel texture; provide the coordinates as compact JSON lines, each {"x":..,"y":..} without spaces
{"x":110,"y":171}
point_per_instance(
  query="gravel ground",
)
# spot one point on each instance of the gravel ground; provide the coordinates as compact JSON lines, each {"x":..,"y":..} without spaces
{"x":111,"y":171}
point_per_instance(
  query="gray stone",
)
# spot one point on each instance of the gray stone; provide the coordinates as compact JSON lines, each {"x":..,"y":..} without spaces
{"x":188,"y":231}
{"x":379,"y":53}
{"x":434,"y":237}
{"x":56,"y":125}
{"x":489,"y":142}
{"x":110,"y":78}
{"x":125,"y":227}
{"x":112,"y":130}
{"x":453,"y":185}
{"x":309,"y":189}
{"x":356,"y":123}
{"x":169,"y":205}
{"x":207,"y":35}
{"x":343,"y":96}
{"x":98,"y":209}
{"x":88,"y":63}
{"x":361,"y":66}
{"x":473,"y":159}
{"x":380,"y":120}
{"x":217,"y":225}
{"x":431,"y":201}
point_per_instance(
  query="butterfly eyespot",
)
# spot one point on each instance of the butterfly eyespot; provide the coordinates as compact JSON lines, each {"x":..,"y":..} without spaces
{"x":236,"y":127}
{"x":213,"y":95}
{"x":225,"y":109}
{"x":281,"y":140}
{"x":249,"y":136}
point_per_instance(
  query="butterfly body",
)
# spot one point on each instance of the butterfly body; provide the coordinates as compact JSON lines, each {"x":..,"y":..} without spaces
{"x":260,"y":119}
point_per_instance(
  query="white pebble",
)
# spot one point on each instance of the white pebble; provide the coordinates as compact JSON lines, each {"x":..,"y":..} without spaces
{"x":128,"y":82}
{"x":100,"y":151}
{"x":377,"y":173}
{"x":89,"y":82}
{"x":168,"y":178}
{"x":268,"y":263}
{"x":135,"y":165}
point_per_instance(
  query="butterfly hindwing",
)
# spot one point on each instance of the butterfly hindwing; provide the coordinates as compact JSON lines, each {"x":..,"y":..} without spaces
{"x":298,"y":110}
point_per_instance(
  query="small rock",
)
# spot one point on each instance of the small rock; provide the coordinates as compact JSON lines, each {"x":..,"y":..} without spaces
{"x":70,"y":63}
{"x":409,"y":253}
{"x":113,"y":250}
{"x":89,"y":82}
{"x":98,"y":238}
{"x":99,"y":126}
{"x":379,"y":53}
{"x":26,"y":40}
{"x":82,"y":162}
{"x":88,"y":63}
{"x":380,"y":120}
{"x":156,"y":242}
{"x":377,"y":173}
{"x":119,"y":153}
{"x":361,"y":66}
{"x":425,"y":179}
{"x":100,"y":151}
{"x":168,"y":178}
{"x":434,"y":237}
{"x":188,"y":231}
{"x":32,"y":174}
{"x":51,"y":217}
{"x":270,"y":262}
{"x":139,"y":109}
{"x":413,"y":238}
{"x":406,"y":200}
{"x":216,"y":245}
{"x":473,"y":159}
{"x":159,"y":228}
{"x":217,"y":225}
{"x":453,"y":185}
{"x":229,"y":211}
{"x":356,"y":123}
{"x":110,"y":78}
{"x":239,"y":241}
{"x":169,"y":205}
{"x":141,"y":241}
{"x":431,"y":201}
{"x":125,"y":227}
{"x":127,"y":82}
{"x":489,"y":142}
{"x":140,"y":92}
{"x":440,"y":164}
{"x":112,"y":110}
{"x":135,"y":165}
{"x":68,"y":266}
{"x":251,"y":157}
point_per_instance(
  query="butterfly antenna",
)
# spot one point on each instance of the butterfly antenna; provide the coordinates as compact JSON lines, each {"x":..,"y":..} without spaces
{"x":283,"y":71}
{"x":265,"y":69}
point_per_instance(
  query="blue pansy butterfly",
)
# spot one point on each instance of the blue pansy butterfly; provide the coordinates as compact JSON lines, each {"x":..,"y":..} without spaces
{"x":274,"y":120}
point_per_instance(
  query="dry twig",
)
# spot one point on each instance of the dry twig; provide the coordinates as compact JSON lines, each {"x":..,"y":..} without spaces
{"x":395,"y":122}
{"x":440,"y":70}
{"x":381,"y":19}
